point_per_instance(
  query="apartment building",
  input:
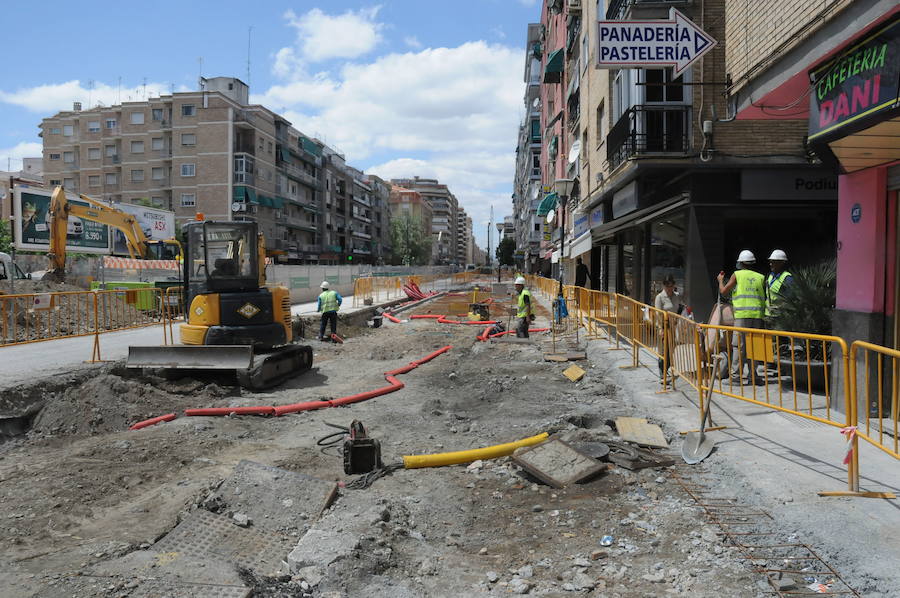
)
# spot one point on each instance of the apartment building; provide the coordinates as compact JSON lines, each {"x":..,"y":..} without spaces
{"x":444,"y":209}
{"x":463,"y":237}
{"x":664,"y":179}
{"x":381,"y":216}
{"x":211,"y":152}
{"x":527,"y":188}
{"x":835,"y":67}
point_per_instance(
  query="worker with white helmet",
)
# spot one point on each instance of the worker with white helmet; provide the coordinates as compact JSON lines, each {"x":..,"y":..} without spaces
{"x":329,"y":303}
{"x":749,"y":304}
{"x":525,"y":308}
{"x":778,"y":283}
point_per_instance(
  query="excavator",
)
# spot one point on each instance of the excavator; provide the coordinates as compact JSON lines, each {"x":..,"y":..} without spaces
{"x":234,"y":321}
{"x":139,"y":246}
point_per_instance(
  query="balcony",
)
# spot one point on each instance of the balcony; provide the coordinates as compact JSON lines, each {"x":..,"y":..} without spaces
{"x":363,"y":200}
{"x":299,"y":174}
{"x":617,"y":10}
{"x":361,"y":216}
{"x":244,"y":178}
{"x":361,"y":234}
{"x":300,"y":224}
{"x":649,"y":131}
{"x":111,"y":160}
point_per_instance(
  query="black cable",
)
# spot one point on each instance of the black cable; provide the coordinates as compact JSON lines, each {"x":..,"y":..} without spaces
{"x":337,"y":437}
{"x":367,"y":479}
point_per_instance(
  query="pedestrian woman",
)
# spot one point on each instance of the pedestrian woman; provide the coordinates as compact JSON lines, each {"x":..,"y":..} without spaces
{"x":668,"y":300}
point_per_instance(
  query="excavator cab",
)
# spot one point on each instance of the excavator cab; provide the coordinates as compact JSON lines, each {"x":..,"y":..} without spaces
{"x":233,"y":321}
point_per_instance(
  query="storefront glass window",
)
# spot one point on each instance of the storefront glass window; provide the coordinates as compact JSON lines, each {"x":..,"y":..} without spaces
{"x":667,"y":251}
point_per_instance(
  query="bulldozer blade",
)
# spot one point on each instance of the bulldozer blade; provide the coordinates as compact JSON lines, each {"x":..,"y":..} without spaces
{"x":191,"y":357}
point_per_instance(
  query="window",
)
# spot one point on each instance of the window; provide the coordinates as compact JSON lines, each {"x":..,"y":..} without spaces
{"x":188,"y":110}
{"x":188,"y":139}
{"x":188,"y":170}
{"x":536,"y":130}
{"x":137,"y":147}
{"x":157,"y":173}
{"x":55,"y":130}
{"x":537,"y":227}
{"x":94,"y":180}
{"x":69,"y":183}
{"x":54,"y":156}
{"x":111,"y":123}
{"x":55,"y":182}
{"x":93,"y":153}
{"x":68,"y":130}
{"x":68,"y":157}
{"x":156,"y":143}
{"x":112,"y":179}
{"x":662,"y":88}
{"x":601,"y":123}
{"x":270,"y":147}
{"x":110,"y":151}
{"x":156,"y":114}
{"x":137,"y":118}
{"x":137,"y":176}
{"x":188,"y":200}
{"x":94,"y":126}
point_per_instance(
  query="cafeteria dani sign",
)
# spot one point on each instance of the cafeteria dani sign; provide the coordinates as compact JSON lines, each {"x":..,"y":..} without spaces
{"x":860,"y":82}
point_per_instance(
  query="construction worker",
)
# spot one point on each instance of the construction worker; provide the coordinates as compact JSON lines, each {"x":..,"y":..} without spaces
{"x":778,"y":284}
{"x":525,"y":310}
{"x":329,"y":303}
{"x":749,"y":304}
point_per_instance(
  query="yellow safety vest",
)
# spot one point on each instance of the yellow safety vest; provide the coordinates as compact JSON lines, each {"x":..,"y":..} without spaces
{"x":525,"y":309}
{"x":773,"y":295}
{"x":329,"y":301}
{"x":748,"y":298}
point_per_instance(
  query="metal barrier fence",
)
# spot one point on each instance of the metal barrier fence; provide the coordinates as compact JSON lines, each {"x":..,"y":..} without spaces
{"x":36,"y":317}
{"x":790,"y":372}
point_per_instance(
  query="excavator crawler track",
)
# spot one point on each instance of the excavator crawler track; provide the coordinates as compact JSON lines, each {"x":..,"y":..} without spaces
{"x":274,"y":367}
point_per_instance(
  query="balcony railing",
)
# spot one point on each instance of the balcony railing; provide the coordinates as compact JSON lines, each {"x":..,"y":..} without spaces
{"x":111,"y":160}
{"x":361,"y":234}
{"x":299,"y":173}
{"x":649,"y":130}
{"x":618,"y":9}
{"x":163,"y":153}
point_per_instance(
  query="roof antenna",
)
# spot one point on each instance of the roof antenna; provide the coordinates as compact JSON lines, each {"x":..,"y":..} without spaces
{"x":249,"y":32}
{"x":90,"y":91}
{"x":119,"y":91}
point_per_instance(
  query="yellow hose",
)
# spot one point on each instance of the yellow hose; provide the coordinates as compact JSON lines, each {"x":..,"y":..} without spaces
{"x":488,"y":452}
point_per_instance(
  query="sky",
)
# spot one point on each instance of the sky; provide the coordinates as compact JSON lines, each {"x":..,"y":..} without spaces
{"x":432,"y":88}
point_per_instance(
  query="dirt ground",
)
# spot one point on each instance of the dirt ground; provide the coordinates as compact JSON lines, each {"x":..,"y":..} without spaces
{"x":79,"y":489}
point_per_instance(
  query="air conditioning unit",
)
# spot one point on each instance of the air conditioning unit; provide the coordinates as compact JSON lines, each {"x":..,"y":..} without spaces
{"x":574,"y":5}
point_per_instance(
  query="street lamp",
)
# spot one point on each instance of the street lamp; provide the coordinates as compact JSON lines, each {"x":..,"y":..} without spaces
{"x":563,"y":188}
{"x":499,"y":239}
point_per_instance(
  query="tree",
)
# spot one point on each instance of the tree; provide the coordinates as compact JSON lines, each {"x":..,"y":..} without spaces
{"x":5,"y":236}
{"x":411,"y":246}
{"x":505,"y":250}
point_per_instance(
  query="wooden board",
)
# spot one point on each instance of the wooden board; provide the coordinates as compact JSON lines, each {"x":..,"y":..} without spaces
{"x":638,"y":431}
{"x":559,"y":357}
{"x":557,"y":463}
{"x":574,"y":373}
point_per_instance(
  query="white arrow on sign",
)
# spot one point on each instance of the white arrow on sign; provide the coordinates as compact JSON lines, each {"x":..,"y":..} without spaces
{"x":676,"y":42}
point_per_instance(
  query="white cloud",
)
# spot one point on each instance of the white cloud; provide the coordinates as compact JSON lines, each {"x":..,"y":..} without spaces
{"x":498,"y":32}
{"x":53,"y":97}
{"x":24,"y":149}
{"x":349,"y":35}
{"x":412,"y":41}
{"x":527,"y":2}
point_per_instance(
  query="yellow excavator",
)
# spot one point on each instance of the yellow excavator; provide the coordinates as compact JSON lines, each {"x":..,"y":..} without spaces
{"x":234,"y":321}
{"x":139,"y":246}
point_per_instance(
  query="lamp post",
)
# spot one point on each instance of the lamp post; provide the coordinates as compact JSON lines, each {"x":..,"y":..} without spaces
{"x":499,"y":239}
{"x":563,"y":188}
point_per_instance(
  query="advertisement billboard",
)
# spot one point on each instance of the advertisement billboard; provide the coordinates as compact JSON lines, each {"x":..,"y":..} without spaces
{"x":158,"y":225}
{"x":32,"y":230}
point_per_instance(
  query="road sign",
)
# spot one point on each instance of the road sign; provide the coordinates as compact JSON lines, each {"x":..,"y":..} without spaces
{"x":676,"y":42}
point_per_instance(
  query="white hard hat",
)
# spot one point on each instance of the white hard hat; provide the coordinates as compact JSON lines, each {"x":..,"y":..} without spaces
{"x":520,"y":280}
{"x":747,"y":257}
{"x":778,"y":256}
{"x":324,"y":284}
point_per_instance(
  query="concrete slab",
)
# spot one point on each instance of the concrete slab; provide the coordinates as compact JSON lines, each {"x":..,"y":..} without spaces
{"x":275,"y":498}
{"x":557,"y":463}
{"x":322,"y":548}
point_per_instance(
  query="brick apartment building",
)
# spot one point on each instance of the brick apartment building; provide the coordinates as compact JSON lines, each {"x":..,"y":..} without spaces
{"x":210,"y":151}
{"x":444,"y":215}
{"x":666,"y":180}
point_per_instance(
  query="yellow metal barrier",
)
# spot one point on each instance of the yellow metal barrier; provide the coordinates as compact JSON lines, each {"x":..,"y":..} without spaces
{"x":878,"y":397}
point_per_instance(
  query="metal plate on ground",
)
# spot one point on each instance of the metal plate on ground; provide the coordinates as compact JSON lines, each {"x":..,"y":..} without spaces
{"x":638,"y":431}
{"x":557,"y":463}
{"x":203,"y":534}
{"x":275,"y":498}
{"x":165,"y":589}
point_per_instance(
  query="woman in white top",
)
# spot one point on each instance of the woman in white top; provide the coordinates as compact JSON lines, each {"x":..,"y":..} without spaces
{"x":670,"y":300}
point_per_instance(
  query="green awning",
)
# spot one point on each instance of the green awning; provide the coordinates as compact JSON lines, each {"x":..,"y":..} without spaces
{"x":239,"y":194}
{"x":265,"y":200}
{"x":311,"y":147}
{"x":251,"y":195}
{"x":277,"y":202}
{"x":547,"y":204}
{"x":554,"y":67}
{"x":284,"y":155}
{"x":553,"y":146}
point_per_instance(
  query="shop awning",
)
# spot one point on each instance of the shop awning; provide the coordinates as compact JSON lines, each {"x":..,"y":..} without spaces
{"x":239,"y":194}
{"x":554,"y":67}
{"x":580,"y":245}
{"x":547,"y":204}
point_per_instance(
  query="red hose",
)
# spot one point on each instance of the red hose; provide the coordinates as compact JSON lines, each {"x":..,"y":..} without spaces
{"x":424,"y":317}
{"x":391,"y":318}
{"x":297,"y":407}
{"x":152,"y":421}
